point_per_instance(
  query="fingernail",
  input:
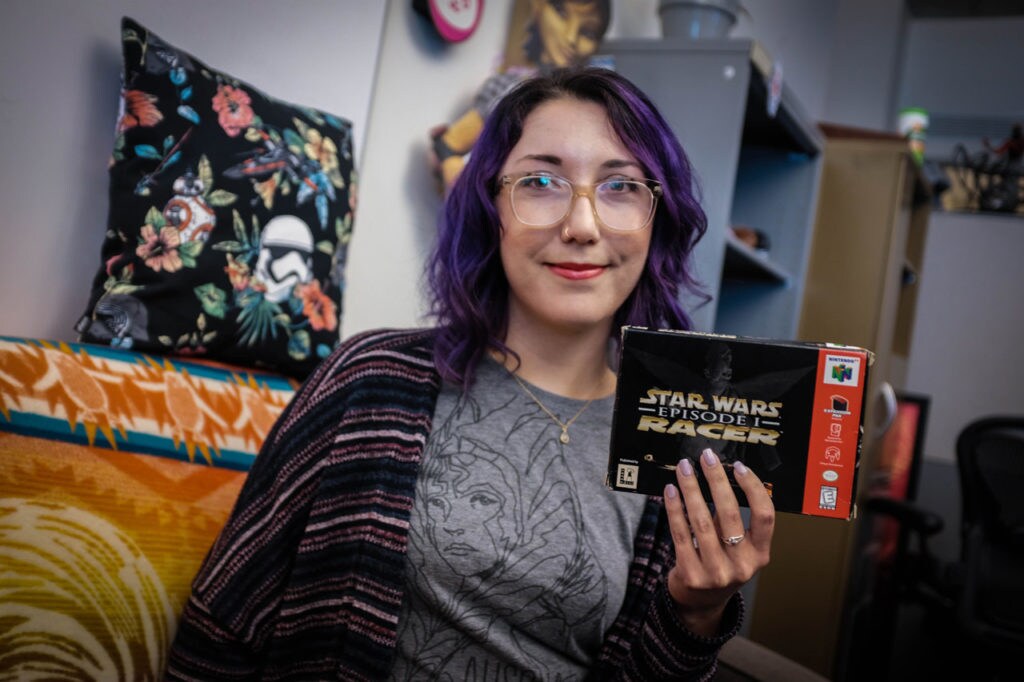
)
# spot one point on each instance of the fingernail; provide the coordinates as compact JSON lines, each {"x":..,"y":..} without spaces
{"x":710,"y":458}
{"x":739,"y":468}
{"x":671,"y":492}
{"x":686,"y":467}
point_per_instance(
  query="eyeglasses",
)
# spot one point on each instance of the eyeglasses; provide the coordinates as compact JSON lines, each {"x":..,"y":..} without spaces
{"x":541,"y":200}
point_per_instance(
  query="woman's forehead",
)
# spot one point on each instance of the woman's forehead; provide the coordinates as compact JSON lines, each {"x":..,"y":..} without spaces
{"x":568,"y":131}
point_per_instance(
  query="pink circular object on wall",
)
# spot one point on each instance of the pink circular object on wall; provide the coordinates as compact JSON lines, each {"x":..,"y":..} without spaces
{"x":455,"y":20}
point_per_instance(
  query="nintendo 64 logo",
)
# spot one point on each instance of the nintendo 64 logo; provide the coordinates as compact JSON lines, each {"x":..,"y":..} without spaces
{"x":843,"y":370}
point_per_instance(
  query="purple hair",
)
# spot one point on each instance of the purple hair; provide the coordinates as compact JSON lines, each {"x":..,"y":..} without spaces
{"x":468,"y":288}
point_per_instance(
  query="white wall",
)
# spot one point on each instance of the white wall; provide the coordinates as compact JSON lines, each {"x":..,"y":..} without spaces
{"x":421,"y":82}
{"x":970,"y":320}
{"x":60,"y":63}
{"x":966,"y":66}
{"x":866,"y":62}
{"x":967,"y":74}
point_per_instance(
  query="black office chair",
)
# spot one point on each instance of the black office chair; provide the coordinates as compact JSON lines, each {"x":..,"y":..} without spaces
{"x":990,"y":456}
{"x":910,"y":576}
{"x":975,"y":604}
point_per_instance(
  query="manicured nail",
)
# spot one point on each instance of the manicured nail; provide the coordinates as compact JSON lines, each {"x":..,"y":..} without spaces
{"x":686,"y":467}
{"x":671,"y":492}
{"x":740,"y":469}
{"x":710,"y":458}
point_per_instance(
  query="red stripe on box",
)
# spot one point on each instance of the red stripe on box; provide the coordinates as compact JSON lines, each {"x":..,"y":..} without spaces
{"x":835,"y":429}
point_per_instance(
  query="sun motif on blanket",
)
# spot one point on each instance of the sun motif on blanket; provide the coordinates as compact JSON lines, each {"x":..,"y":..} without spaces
{"x":78,"y":600}
{"x":110,"y":400}
{"x":69,"y":386}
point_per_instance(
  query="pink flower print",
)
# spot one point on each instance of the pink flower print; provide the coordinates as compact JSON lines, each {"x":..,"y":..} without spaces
{"x":318,"y":307}
{"x":139,"y":110}
{"x":238,"y":274}
{"x":233,"y":111}
{"x":160,"y":251}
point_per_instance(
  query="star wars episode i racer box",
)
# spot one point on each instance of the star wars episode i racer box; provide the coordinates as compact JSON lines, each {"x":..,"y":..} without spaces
{"x":790,"y":411}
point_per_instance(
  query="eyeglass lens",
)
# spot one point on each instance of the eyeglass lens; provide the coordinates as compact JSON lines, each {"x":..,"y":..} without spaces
{"x":544,"y":200}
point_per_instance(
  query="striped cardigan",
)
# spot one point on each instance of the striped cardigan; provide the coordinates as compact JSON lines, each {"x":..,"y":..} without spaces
{"x":307,"y":577}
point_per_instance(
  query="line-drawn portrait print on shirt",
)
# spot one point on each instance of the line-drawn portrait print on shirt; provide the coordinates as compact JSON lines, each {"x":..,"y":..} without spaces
{"x":505,"y":544}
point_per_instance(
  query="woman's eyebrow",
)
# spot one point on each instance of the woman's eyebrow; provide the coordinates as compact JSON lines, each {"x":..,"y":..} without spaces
{"x":620,"y":163}
{"x":557,"y":161}
{"x":546,"y":158}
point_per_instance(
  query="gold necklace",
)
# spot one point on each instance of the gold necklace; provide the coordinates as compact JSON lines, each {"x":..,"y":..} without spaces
{"x":564,"y":437}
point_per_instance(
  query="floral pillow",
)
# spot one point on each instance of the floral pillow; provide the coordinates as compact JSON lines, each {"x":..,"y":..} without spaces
{"x":230,"y":216}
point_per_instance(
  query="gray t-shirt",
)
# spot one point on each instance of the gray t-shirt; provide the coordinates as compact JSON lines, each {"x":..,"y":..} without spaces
{"x":518,"y":554}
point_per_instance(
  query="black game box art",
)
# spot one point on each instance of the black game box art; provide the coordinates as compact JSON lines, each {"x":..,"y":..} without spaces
{"x":790,"y":411}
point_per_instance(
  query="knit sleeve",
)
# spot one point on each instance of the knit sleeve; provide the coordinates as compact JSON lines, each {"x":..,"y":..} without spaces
{"x":237,"y":590}
{"x":255,"y":598}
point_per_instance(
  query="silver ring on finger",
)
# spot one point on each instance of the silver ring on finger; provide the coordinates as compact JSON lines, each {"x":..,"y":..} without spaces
{"x":733,"y":540}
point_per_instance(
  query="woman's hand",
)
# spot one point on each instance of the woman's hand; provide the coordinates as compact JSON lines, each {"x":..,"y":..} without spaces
{"x":716,"y":555}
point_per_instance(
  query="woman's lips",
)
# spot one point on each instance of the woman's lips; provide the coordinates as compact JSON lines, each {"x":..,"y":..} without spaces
{"x":576,"y":270}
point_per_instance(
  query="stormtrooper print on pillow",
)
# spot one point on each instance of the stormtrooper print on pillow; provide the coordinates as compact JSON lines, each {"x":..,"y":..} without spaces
{"x":229,"y":221}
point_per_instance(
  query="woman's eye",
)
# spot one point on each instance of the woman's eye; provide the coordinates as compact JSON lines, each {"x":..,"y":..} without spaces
{"x":619,"y":186}
{"x":540,"y":182}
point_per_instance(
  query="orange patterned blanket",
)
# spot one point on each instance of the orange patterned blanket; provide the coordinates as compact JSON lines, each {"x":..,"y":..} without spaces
{"x":117,"y":470}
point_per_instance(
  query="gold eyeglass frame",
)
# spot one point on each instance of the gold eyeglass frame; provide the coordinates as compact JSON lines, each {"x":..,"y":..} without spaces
{"x":653,"y":186}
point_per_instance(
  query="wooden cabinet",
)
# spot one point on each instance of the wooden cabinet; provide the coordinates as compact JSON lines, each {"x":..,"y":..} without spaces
{"x":860,"y":289}
{"x":757,"y":160}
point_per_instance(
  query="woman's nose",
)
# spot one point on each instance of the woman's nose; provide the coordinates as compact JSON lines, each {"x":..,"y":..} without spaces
{"x":581,"y":223}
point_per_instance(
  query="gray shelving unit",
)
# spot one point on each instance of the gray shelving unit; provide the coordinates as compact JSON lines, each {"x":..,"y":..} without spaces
{"x":755,"y":168}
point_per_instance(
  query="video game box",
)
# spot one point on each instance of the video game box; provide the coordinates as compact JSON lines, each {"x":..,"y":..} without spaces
{"x":790,"y":411}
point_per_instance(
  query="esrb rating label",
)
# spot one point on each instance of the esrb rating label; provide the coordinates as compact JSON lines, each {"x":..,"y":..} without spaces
{"x":828,"y":496}
{"x":627,"y":476}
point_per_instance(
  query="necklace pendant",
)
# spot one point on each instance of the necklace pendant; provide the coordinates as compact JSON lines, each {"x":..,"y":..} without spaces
{"x":564,"y":437}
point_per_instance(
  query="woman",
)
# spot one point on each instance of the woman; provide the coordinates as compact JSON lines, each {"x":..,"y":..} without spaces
{"x":431,"y":503}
